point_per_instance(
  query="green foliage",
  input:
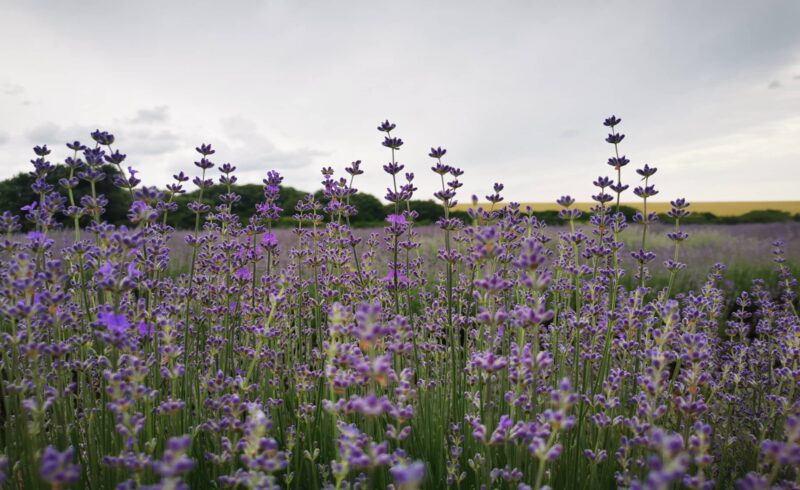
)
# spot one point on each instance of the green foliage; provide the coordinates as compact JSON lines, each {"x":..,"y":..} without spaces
{"x":549,"y":217}
{"x":370,"y":209}
{"x":755,"y":216}
{"x":759,"y":216}
{"x":694,"y":218}
{"x":16,"y":192}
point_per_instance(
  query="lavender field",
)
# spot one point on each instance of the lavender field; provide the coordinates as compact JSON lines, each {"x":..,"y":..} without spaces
{"x":744,"y":249}
{"x":491,"y":352}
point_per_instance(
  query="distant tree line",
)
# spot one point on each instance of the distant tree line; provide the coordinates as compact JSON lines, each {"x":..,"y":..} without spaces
{"x":16,"y":192}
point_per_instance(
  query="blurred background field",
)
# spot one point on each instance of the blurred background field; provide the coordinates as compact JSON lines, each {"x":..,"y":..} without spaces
{"x":745,"y":249}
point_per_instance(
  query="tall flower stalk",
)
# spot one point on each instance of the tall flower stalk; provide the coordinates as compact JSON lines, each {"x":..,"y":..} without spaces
{"x":645,"y":219}
{"x":679,"y":210}
{"x":396,"y":197}
{"x":198,"y":207}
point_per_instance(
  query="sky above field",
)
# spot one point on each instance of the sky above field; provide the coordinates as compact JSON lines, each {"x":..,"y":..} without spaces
{"x":709,"y":92}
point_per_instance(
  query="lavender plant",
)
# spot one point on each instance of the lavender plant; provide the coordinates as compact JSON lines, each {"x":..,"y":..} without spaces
{"x":512,"y":358}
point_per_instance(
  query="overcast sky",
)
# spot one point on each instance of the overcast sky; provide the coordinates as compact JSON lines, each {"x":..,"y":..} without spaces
{"x":709,"y":92}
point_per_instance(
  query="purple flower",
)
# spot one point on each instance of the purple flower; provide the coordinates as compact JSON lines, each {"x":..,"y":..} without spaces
{"x":141,"y":212}
{"x":391,"y":275}
{"x":354,"y":168}
{"x":646,"y":171}
{"x":396,"y":219}
{"x":76,"y":145}
{"x":174,"y":463}
{"x":408,"y":476}
{"x":437,"y":152}
{"x":204,"y":164}
{"x":565,"y":201}
{"x":393,"y":168}
{"x":393,"y":143}
{"x":57,"y":467}
{"x":41,"y":151}
{"x":117,"y":324}
{"x":441,"y":169}
{"x":116,"y":157}
{"x":145,"y":329}
{"x":618,"y":162}
{"x":269,"y":241}
{"x":386,"y":126}
{"x":103,"y":138}
{"x":205,"y":150}
{"x":243,"y":274}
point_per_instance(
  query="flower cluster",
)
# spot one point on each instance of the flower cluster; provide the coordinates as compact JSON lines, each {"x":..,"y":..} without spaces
{"x":486,"y":351}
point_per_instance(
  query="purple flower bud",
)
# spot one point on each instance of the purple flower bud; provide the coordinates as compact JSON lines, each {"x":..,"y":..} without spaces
{"x":57,"y":468}
{"x":116,"y":157}
{"x":646,"y":171}
{"x":102,"y":138}
{"x":354,"y":168}
{"x":393,"y":143}
{"x":438,"y":152}
{"x":408,"y":476}
{"x":205,"y":150}
{"x":386,"y":126}
{"x":204,"y":164}
{"x":393,"y":168}
{"x":565,"y":201}
{"x":41,"y":151}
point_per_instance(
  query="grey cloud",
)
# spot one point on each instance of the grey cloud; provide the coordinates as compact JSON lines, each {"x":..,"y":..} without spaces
{"x":149,"y":142}
{"x":47,"y":132}
{"x":569,"y":133}
{"x":135,"y":142}
{"x":774,"y":84}
{"x":239,"y":128}
{"x":156,"y":114}
{"x":253,"y":150}
{"x":516,"y":91}
{"x":12,"y":89}
{"x":55,"y":135}
{"x":3,"y":137}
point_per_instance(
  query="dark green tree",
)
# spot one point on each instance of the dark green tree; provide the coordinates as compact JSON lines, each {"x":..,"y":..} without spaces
{"x":16,"y":192}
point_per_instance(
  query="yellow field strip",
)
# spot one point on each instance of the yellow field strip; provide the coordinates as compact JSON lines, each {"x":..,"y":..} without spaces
{"x":718,"y":208}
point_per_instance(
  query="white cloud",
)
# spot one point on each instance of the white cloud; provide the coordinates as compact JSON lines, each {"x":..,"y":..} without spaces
{"x":250,"y":149}
{"x":146,"y":142}
{"x":12,"y":89}
{"x":46,"y":132}
{"x":517,"y":94}
{"x":158,"y":114}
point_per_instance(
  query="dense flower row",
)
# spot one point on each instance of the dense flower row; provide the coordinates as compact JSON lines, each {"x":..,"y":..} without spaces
{"x":513,"y":359}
